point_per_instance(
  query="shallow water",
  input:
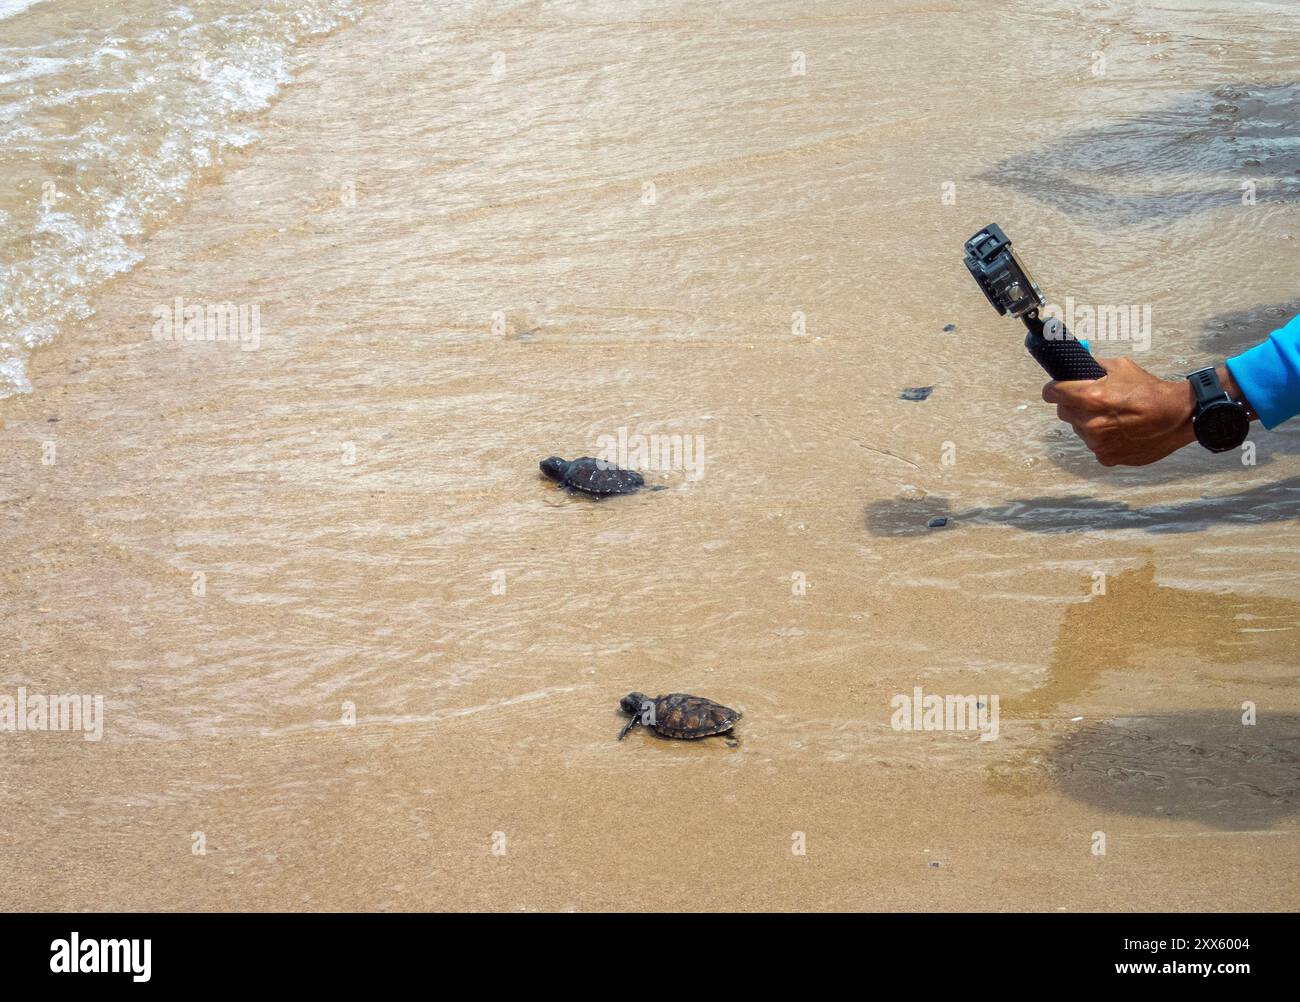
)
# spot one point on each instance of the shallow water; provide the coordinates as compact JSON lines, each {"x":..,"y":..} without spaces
{"x":480,"y":234}
{"x":109,"y":115}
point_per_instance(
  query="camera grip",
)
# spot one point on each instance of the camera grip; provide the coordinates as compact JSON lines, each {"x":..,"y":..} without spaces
{"x":1063,"y":357}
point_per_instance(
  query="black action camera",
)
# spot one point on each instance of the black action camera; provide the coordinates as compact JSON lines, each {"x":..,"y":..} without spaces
{"x":1001,"y":274}
{"x":1009,"y":286}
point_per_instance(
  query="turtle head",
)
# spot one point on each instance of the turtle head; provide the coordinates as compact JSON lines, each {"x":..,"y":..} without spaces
{"x":554,"y":467}
{"x":632,"y":703}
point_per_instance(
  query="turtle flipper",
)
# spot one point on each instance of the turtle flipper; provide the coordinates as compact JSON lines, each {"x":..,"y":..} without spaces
{"x":630,"y":724}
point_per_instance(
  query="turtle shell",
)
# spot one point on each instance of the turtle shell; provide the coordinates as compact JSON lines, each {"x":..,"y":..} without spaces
{"x":679,"y":715}
{"x":594,"y":476}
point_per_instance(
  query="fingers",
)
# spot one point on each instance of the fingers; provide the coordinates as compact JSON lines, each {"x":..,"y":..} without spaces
{"x":1085,"y":421}
{"x":1083,"y":394}
{"x":1102,"y":445}
{"x":1097,"y":432}
{"x":1076,"y":393}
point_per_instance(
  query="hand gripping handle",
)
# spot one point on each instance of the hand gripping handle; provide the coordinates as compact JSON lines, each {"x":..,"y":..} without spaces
{"x":1059,"y":352}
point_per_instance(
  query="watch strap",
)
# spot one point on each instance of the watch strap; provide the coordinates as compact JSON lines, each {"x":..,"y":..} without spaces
{"x":1206,"y":386}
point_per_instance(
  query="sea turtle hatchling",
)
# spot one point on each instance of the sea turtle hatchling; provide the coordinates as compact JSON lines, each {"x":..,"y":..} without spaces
{"x":678,"y":715}
{"x":592,"y":476}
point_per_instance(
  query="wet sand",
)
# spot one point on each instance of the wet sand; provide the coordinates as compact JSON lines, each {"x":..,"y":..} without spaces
{"x":447,"y":229}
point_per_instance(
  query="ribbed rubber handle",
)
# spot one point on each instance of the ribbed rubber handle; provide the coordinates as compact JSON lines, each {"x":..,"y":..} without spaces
{"x":1064,"y":357}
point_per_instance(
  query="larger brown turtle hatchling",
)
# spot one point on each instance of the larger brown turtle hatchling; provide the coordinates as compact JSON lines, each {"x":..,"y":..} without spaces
{"x":678,"y":715}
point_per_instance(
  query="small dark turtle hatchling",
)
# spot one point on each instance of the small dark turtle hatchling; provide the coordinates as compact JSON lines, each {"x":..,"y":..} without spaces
{"x":678,"y":715}
{"x":592,"y":476}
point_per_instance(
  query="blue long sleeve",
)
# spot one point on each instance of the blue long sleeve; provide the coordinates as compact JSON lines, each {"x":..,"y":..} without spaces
{"x":1269,"y":375}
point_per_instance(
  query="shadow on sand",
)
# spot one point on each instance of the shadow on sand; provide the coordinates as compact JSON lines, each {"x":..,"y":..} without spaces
{"x":1186,"y":157}
{"x":1272,"y":502}
{"x":1205,"y":766}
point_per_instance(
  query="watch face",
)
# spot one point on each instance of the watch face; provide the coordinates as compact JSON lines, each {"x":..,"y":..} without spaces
{"x":1222,"y":426}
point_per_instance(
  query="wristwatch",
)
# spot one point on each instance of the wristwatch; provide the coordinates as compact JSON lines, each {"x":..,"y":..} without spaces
{"x":1220,"y":423}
